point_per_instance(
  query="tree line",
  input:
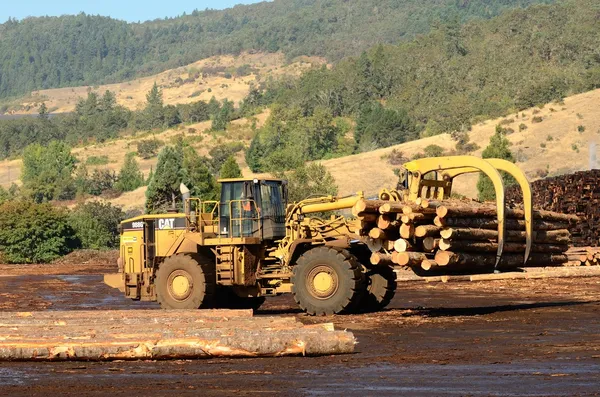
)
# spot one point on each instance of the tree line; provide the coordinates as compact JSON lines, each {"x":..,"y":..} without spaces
{"x":98,"y":118}
{"x":444,"y":81}
{"x":52,"y":52}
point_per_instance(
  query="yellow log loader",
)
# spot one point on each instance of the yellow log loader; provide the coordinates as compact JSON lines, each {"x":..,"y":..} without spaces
{"x":253,"y":244}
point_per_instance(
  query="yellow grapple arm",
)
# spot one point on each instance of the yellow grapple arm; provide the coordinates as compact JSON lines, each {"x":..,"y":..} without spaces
{"x":450,"y":167}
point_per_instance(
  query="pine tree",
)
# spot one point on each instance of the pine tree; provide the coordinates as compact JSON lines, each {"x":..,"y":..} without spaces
{"x":199,"y":179}
{"x":163,"y":189}
{"x":498,"y":148}
{"x":230,"y":169}
{"x":154,"y":111}
{"x":130,"y":176}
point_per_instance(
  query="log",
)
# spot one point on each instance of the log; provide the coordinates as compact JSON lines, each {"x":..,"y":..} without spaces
{"x":489,"y":223}
{"x":551,"y":236}
{"x":378,"y":258}
{"x":379,"y":234}
{"x":416,"y":217}
{"x":387,"y":221}
{"x":409,"y":258}
{"x":448,"y":211}
{"x":490,"y":247}
{"x":427,"y":231}
{"x":367,"y":217}
{"x":374,"y":245}
{"x":156,"y":334}
{"x":407,"y":230}
{"x":402,"y":245}
{"x":428,"y":264}
{"x":236,"y":343}
{"x":430,"y":244}
{"x":364,"y":206}
{"x":449,"y":258}
{"x":394,"y":207}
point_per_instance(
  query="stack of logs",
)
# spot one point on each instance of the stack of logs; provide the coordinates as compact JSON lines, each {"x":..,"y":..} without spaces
{"x":577,"y":193}
{"x":583,"y":256}
{"x":458,"y":237}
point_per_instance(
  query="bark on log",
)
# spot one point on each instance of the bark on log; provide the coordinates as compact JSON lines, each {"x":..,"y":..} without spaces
{"x":449,"y":258}
{"x":392,"y":207}
{"x":490,"y":247}
{"x":387,"y":221}
{"x":428,"y":264}
{"x":427,"y":231}
{"x":379,"y":234}
{"x":448,"y":211}
{"x":378,"y":258}
{"x":416,"y":218}
{"x":364,"y":206}
{"x":409,"y":258}
{"x":552,"y":236}
{"x":490,"y":223}
{"x":155,"y":334}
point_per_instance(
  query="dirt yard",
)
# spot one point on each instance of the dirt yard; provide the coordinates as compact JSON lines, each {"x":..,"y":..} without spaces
{"x":498,"y":338}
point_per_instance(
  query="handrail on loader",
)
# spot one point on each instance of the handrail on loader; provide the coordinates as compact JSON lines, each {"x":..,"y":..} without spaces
{"x":452,"y":166}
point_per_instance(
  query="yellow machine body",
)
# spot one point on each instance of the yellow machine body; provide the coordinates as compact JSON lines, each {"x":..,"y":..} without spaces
{"x":253,"y":237}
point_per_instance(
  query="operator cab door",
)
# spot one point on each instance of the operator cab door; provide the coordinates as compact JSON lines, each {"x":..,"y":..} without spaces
{"x":273,"y":199}
{"x":238,"y":215}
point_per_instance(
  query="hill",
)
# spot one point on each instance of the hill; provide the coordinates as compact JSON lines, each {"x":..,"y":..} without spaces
{"x":53,"y":52}
{"x":554,"y":146}
{"x":223,"y":77}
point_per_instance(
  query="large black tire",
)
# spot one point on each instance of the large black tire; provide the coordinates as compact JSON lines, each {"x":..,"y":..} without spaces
{"x":185,"y":282}
{"x":381,"y":288}
{"x":327,"y":281}
{"x":226,"y":298}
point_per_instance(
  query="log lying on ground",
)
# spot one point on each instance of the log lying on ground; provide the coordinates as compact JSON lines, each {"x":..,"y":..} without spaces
{"x":102,"y":335}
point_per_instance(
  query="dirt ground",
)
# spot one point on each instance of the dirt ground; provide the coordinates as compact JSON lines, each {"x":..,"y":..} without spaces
{"x":494,"y":338}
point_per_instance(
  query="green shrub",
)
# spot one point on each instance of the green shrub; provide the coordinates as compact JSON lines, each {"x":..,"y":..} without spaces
{"x":543,"y":145}
{"x":537,"y":119}
{"x":433,"y":151}
{"x":580,"y":128}
{"x":95,"y":224}
{"x":549,"y":138}
{"x":97,"y":160}
{"x":101,"y":181}
{"x":148,"y":148}
{"x":34,"y":233}
{"x":522,"y":127}
{"x":575,"y":147}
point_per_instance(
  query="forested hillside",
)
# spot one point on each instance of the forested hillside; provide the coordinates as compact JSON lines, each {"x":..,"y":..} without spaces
{"x":51,"y":52}
{"x":441,"y":82}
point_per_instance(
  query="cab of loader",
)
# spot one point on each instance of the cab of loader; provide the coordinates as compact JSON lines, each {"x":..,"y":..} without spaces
{"x":252,"y":208}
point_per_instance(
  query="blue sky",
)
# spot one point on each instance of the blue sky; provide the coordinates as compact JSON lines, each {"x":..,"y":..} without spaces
{"x":129,"y":10}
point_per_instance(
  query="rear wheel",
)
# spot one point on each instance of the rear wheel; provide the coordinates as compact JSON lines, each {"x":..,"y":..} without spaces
{"x":326,"y":280}
{"x":185,"y":282}
{"x":381,"y":288}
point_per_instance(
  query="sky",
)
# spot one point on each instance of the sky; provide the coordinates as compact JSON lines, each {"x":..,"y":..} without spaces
{"x":129,"y":10}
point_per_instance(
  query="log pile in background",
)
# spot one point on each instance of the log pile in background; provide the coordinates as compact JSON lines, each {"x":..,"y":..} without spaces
{"x":578,"y":194}
{"x":584,"y":256}
{"x":155,"y":334}
{"x":457,"y":236}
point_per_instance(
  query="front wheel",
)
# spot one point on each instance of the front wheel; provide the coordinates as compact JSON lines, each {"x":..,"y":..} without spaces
{"x":185,"y":282}
{"x":327,"y":281}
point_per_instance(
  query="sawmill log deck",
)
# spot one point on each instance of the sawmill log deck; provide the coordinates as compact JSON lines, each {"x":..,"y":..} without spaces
{"x":160,"y":335}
